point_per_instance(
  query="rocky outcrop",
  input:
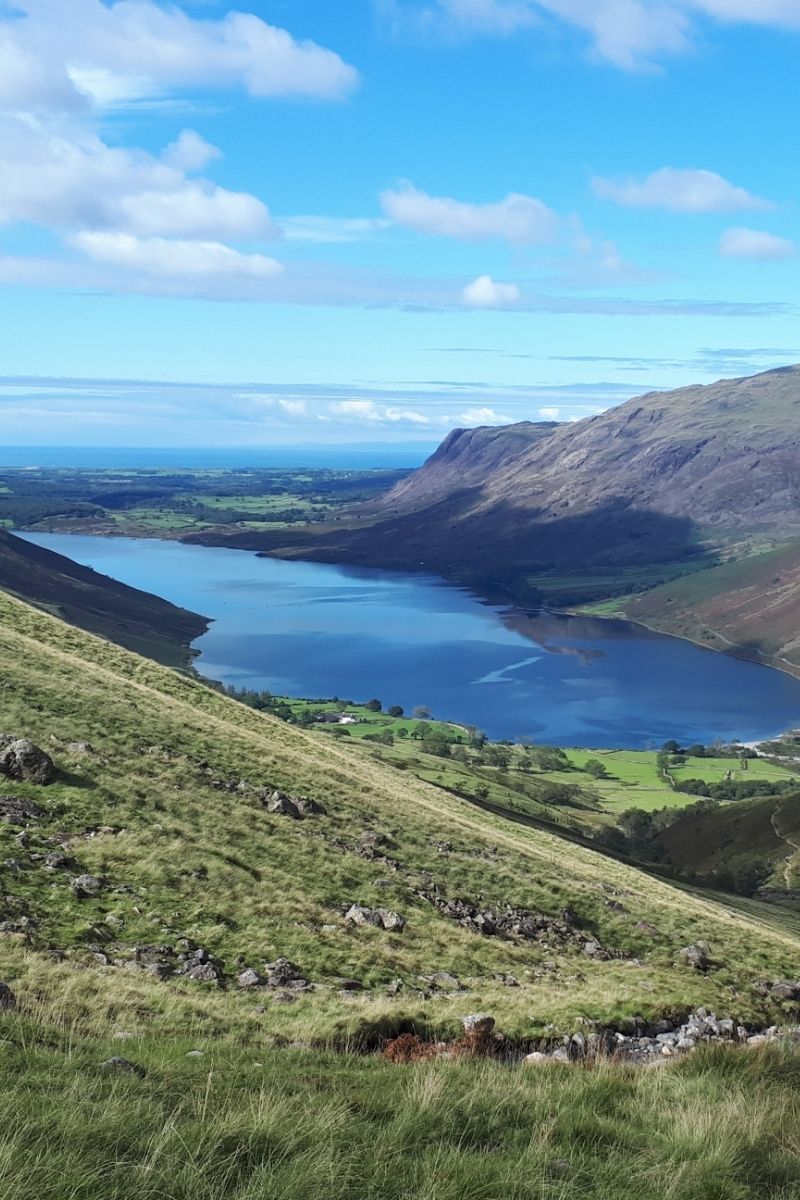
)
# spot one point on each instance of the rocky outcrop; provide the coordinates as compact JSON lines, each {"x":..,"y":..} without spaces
{"x":18,"y":811}
{"x":25,"y":762}
{"x":86,"y":886}
{"x":381,"y":918}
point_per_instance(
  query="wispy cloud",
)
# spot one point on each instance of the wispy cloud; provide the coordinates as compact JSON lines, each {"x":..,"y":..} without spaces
{"x":684,"y":190}
{"x":520,"y":220}
{"x":755,"y":243}
{"x":633,"y":35}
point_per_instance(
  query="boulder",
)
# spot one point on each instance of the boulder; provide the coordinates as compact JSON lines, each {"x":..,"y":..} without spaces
{"x":85,"y":886}
{"x":250,"y":979}
{"x":57,"y":861}
{"x":593,"y":949}
{"x":18,"y":811}
{"x":283,"y":805}
{"x":80,"y":747}
{"x":784,"y":989}
{"x":478,"y":1023}
{"x":8,"y":1001}
{"x":285,"y":974}
{"x":357,"y":914}
{"x":696,"y":956}
{"x":443,"y":981}
{"x":27,"y":763}
{"x":392,"y":922}
{"x":310,"y":808}
{"x":381,"y":918}
{"x":204,"y":972}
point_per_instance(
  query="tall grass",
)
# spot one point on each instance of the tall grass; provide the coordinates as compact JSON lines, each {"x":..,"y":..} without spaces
{"x":301,"y":1125}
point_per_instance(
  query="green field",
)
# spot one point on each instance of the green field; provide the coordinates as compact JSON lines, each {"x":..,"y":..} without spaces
{"x":171,"y":503}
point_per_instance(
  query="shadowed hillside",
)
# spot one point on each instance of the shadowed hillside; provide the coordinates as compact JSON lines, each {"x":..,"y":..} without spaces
{"x":137,"y":620}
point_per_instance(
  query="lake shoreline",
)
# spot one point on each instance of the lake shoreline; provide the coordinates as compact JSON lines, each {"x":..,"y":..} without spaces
{"x":302,"y":629}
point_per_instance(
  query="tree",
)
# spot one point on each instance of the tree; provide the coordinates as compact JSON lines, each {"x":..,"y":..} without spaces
{"x":374,"y":705}
{"x":482,"y":791}
{"x":596,"y":768}
{"x":395,"y":711}
{"x":421,"y":713}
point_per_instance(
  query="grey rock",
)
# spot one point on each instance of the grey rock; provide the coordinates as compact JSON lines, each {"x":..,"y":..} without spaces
{"x":284,"y":998}
{"x":357,"y":914}
{"x":80,"y":747}
{"x":204,"y":973}
{"x":480,"y":1023}
{"x":117,"y":1063}
{"x":160,"y":970}
{"x":283,"y":805}
{"x":18,"y":811}
{"x":696,"y":956}
{"x":784,"y":989}
{"x":392,"y":922}
{"x":593,"y":949}
{"x":349,"y":985}
{"x":27,"y":763}
{"x":285,"y":974}
{"x":8,"y":1001}
{"x":394,"y":988}
{"x":311,"y":808}
{"x":443,"y":981}
{"x":250,"y":979}
{"x":57,"y":861}
{"x":85,"y":886}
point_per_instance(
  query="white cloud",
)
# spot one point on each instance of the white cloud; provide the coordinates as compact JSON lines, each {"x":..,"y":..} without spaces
{"x":521,"y":220}
{"x":180,"y":259}
{"x":69,"y":178}
{"x":288,"y":407}
{"x":330,"y":229}
{"x":85,"y":51}
{"x":680,"y":190}
{"x":549,"y":414}
{"x":754,"y":243}
{"x":484,"y":416}
{"x":484,"y":292}
{"x":368,"y":410}
{"x":190,"y":152}
{"x":630,"y":34}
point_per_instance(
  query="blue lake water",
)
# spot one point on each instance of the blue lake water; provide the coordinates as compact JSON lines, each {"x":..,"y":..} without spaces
{"x":307,"y":629}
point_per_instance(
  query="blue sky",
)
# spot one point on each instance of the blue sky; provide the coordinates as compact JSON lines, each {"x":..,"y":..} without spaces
{"x":301,"y":221}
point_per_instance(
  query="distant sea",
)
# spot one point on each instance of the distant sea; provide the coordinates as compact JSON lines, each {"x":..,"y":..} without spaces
{"x":336,"y":457}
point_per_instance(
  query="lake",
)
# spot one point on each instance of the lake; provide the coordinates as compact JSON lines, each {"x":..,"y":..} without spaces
{"x":308,"y":629}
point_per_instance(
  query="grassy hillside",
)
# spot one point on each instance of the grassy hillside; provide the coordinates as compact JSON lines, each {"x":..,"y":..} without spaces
{"x":166,"y":812}
{"x":721,"y":840}
{"x":137,"y":620}
{"x":231,"y":1093}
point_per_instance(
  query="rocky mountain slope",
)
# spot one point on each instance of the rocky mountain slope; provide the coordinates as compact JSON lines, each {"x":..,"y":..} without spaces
{"x":94,"y":602}
{"x":194,"y":863}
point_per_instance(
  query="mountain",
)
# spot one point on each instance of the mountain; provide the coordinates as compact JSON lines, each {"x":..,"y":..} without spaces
{"x":669,"y":486}
{"x":137,"y":620}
